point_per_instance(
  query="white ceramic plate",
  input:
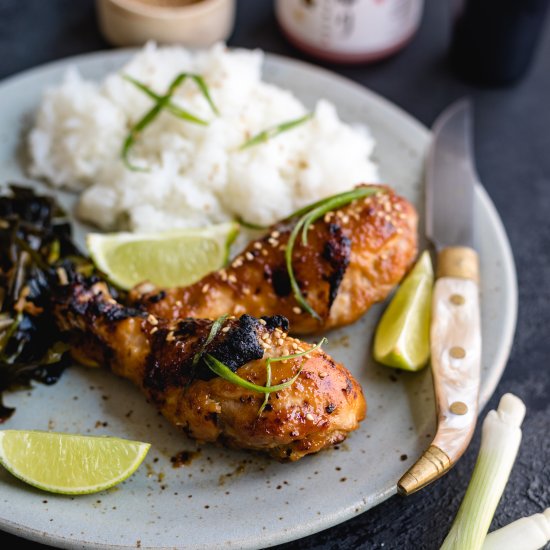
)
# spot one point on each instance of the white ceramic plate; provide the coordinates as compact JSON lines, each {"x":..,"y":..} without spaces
{"x":232,"y":498}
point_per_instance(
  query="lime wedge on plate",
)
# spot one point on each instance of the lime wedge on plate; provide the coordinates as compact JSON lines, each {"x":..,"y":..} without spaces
{"x":402,"y":338}
{"x":67,"y":463}
{"x":172,"y":258}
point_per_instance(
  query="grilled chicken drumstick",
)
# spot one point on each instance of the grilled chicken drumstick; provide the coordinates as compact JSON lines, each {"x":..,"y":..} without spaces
{"x":317,"y":410}
{"x":353,"y":258}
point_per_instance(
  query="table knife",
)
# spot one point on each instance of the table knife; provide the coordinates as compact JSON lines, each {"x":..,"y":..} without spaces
{"x":455,"y":331}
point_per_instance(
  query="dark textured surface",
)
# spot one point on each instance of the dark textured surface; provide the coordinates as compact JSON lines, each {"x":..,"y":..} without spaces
{"x":513,"y":157}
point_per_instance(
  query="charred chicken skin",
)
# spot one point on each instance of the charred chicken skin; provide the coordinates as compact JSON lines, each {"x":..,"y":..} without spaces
{"x":317,"y":410}
{"x":353,"y":258}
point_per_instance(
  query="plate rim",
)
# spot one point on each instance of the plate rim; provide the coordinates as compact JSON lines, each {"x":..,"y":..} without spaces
{"x":498,"y":365}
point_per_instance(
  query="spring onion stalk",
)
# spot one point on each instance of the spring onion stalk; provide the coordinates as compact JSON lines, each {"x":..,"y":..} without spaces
{"x":266,"y":135}
{"x":310,"y":215}
{"x":223,"y":371}
{"x":530,"y":533}
{"x":162,"y":102}
{"x":500,"y":439}
{"x":283,"y":358}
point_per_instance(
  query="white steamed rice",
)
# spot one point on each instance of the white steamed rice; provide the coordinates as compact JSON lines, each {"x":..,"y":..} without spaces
{"x":196,"y":174}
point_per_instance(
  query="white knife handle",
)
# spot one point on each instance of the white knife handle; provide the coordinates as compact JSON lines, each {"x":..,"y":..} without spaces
{"x":456,"y":364}
{"x":456,"y":356}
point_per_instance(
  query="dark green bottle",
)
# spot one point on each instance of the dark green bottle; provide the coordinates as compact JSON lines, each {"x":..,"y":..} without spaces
{"x":494,"y":41}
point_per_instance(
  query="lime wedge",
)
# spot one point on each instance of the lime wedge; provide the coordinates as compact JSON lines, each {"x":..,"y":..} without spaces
{"x":402,"y":338}
{"x":172,"y":258}
{"x":67,"y":463}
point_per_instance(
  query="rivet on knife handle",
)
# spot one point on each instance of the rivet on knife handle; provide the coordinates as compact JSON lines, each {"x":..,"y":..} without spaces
{"x":456,"y":357}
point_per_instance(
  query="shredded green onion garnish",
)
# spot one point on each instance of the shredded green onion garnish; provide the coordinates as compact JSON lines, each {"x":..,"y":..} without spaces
{"x":267,"y":384}
{"x":269,"y":133}
{"x":163,"y":102}
{"x":170,"y":106}
{"x":223,"y":371}
{"x":250,"y":225}
{"x":283,"y":358}
{"x":199,"y":81}
{"x":308,"y":215}
{"x":214,"y":329}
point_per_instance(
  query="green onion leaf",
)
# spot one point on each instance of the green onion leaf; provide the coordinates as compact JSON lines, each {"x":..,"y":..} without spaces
{"x":214,"y":329}
{"x":264,"y":136}
{"x":309,"y":215}
{"x":267,"y":385}
{"x":223,"y":371}
{"x":283,"y":358}
{"x":299,"y":354}
{"x":170,"y":106}
{"x":199,"y":81}
{"x":162,"y":102}
{"x":135,"y":132}
{"x":250,"y":225}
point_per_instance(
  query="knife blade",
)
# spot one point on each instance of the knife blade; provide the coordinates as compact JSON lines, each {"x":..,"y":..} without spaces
{"x":455,"y":331}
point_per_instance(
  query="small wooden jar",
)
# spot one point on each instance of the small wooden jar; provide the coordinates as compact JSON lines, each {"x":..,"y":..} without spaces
{"x":194,"y":23}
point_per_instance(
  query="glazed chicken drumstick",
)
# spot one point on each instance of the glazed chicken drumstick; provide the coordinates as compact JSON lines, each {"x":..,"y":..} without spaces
{"x":165,"y":359}
{"x":353,"y":258}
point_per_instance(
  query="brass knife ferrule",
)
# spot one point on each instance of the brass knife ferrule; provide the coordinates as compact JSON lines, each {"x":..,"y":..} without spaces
{"x":458,"y":261}
{"x":432,"y":464}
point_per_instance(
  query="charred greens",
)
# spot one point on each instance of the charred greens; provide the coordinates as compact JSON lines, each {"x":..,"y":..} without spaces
{"x":36,"y":253}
